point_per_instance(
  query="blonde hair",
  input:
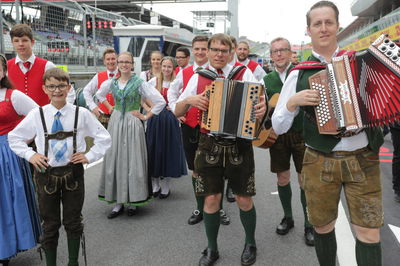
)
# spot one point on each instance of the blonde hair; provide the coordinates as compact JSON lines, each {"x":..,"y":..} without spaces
{"x":160,"y":77}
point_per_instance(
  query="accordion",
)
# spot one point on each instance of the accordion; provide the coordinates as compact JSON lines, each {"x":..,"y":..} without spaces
{"x":231,"y":108}
{"x":358,"y":91}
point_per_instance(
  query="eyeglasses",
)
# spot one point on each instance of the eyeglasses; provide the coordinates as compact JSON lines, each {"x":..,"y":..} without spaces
{"x":181,"y":57}
{"x":280,"y":50}
{"x":222,"y":51}
{"x":125,"y":62}
{"x":61,"y":87}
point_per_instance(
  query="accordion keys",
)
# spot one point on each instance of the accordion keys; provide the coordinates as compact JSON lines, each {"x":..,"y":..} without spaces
{"x":231,"y":108}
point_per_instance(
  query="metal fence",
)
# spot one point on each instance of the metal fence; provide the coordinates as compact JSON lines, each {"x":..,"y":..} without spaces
{"x":65,"y":32}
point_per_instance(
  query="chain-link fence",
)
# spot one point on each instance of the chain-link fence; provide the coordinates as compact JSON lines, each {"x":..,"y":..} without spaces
{"x":65,"y":32}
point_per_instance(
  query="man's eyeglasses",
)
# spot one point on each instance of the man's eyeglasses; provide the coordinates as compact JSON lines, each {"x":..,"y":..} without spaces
{"x":222,"y":51}
{"x":181,"y":57}
{"x":280,"y":50}
{"x":61,"y":87}
{"x":125,"y":62}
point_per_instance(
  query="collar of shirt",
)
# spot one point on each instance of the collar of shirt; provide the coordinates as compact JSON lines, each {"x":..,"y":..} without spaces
{"x":196,"y":66}
{"x":226,"y":69}
{"x":245,"y":62}
{"x":30,"y":59}
{"x":112,"y":72}
{"x":64,"y":110}
{"x":321,"y":58}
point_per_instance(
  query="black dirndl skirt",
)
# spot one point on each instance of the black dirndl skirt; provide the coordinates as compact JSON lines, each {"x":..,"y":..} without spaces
{"x":166,"y":157}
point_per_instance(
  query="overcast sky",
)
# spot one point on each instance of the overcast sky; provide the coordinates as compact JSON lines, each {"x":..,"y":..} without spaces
{"x":261,"y":20}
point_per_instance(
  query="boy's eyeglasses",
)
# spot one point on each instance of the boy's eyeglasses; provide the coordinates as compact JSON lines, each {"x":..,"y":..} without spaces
{"x":61,"y":87}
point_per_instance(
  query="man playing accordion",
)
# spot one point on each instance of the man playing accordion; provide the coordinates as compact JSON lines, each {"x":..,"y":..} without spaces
{"x":218,"y":157}
{"x":332,"y":162}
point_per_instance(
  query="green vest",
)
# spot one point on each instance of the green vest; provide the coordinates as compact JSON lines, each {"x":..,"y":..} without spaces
{"x":128,"y":99}
{"x":322,"y":142}
{"x":273,"y":84}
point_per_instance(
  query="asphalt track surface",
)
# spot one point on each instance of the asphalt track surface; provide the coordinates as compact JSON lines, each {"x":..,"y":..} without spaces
{"x":159,"y":233}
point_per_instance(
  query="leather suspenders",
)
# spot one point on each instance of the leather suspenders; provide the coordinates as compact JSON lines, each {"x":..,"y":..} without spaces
{"x":60,"y":135}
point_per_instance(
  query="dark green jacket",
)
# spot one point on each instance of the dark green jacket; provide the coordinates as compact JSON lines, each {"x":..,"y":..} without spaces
{"x":322,"y":142}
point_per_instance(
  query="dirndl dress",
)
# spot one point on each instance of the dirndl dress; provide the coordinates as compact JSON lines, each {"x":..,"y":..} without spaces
{"x":164,"y":146}
{"x":19,"y":216}
{"x":124,"y":177}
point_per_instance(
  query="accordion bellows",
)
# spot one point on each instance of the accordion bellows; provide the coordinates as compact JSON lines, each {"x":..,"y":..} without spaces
{"x":231,"y":108}
{"x":359,"y":91}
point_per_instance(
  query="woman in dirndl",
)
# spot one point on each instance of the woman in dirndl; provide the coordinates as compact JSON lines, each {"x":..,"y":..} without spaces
{"x":19,"y":219}
{"x":155,"y":66}
{"x":164,"y":139}
{"x":124,"y":177}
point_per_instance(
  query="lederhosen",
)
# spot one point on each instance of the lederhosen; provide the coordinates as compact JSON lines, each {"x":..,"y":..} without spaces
{"x":218,"y":157}
{"x":63,"y":184}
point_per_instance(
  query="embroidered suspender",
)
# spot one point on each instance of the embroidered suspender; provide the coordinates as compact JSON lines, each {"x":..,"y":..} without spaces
{"x":60,"y":135}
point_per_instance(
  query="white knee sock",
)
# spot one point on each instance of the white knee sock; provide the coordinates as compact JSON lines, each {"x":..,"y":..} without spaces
{"x":164,"y":183}
{"x":156,"y":183}
{"x":117,"y":207}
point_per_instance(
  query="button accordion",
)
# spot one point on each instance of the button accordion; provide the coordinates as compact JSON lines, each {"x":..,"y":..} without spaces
{"x":231,"y":108}
{"x":359,"y":90}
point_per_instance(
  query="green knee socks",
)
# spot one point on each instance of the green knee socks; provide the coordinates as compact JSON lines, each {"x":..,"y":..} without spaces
{"x":248,"y":219}
{"x":211,"y":222}
{"x":325,"y":247}
{"x":368,"y":254}
{"x":285,"y":195}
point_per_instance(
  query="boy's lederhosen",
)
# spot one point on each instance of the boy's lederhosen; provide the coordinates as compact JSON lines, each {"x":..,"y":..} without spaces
{"x":64,"y":184}
{"x":218,"y":158}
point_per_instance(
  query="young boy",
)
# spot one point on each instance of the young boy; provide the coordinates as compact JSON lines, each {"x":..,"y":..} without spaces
{"x":59,"y":130}
{"x":26,"y":70}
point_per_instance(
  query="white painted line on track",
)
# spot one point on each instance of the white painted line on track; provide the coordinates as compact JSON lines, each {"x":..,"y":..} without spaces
{"x":345,"y":240}
{"x":87,"y":166}
{"x":396,"y":231}
{"x":274,"y":193}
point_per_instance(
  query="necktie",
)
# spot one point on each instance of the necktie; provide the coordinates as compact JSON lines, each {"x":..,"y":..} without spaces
{"x":220,"y":73}
{"x":27,"y":65}
{"x":111,"y":75}
{"x":59,"y":146}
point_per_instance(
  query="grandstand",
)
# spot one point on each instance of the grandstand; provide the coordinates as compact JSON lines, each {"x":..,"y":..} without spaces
{"x":374,"y":18}
{"x":66,"y":33}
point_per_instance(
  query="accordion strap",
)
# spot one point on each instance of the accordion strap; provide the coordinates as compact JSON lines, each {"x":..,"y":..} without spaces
{"x":207,"y":73}
{"x":235,"y":71}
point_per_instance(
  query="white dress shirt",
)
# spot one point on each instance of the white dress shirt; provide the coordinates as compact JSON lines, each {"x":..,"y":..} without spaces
{"x":145,"y":90}
{"x":91,"y":88}
{"x":88,"y":126}
{"x":191,"y":88}
{"x":282,"y":118}
{"x":21,"y":103}
{"x":49,"y":65}
{"x":176,"y":86}
{"x":258,"y":73}
{"x":282,"y":76}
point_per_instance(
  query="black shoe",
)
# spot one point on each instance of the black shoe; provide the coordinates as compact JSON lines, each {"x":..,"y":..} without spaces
{"x":164,"y":196}
{"x":195,"y":218}
{"x":229,"y":195}
{"x":155,"y":194}
{"x":114,"y":214}
{"x":131,"y":212}
{"x":285,"y":225}
{"x":309,"y":236}
{"x":397,"y":196}
{"x":224,"y":218}
{"x":4,"y":262}
{"x":209,"y":257}
{"x":249,"y":254}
